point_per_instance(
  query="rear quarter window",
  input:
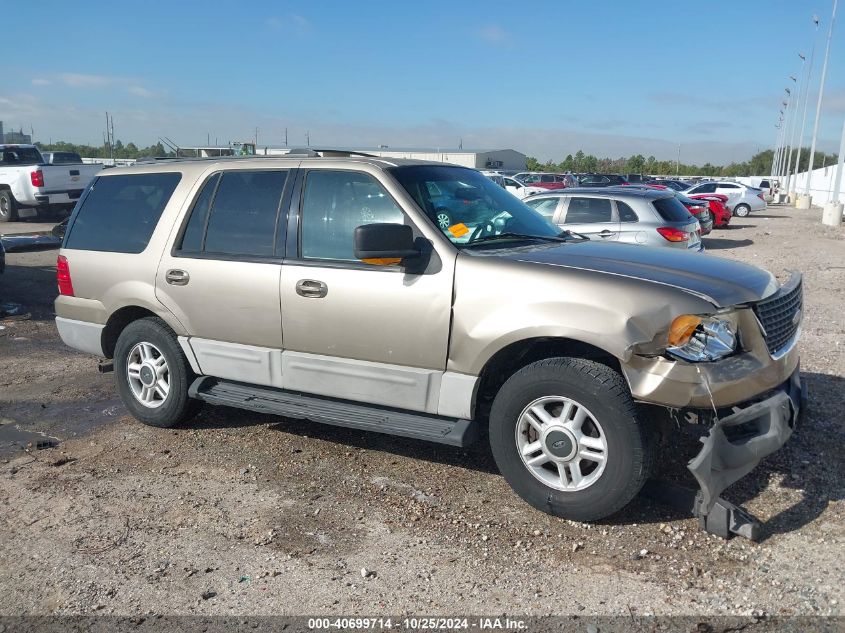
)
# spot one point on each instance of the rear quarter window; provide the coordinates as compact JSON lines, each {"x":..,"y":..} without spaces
{"x":120,"y":213}
{"x":671,"y":210}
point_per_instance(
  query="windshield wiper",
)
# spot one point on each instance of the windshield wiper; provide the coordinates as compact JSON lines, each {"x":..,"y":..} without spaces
{"x":565,"y":236}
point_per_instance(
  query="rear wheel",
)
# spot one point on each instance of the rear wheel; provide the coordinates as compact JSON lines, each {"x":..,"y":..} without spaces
{"x":742,"y":210}
{"x":8,"y":206}
{"x":565,"y":434}
{"x":153,"y":375}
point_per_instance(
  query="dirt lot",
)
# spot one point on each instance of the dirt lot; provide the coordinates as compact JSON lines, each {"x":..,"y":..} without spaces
{"x":241,"y":513}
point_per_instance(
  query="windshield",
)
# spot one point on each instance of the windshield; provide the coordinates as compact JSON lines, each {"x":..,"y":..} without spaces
{"x":468,"y":207}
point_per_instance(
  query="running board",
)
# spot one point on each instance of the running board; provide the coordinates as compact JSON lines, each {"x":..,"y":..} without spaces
{"x":336,"y":412}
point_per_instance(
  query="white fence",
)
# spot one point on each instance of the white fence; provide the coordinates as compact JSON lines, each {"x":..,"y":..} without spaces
{"x":821,"y":184}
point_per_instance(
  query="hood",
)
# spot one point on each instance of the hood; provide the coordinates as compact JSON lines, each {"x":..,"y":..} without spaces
{"x":722,"y":282}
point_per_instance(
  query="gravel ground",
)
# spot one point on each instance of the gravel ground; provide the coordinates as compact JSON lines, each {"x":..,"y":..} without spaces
{"x":240,"y":513}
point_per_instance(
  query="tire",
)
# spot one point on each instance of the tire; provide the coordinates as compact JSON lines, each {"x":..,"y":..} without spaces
{"x":742,"y":210}
{"x":609,"y":413}
{"x":8,"y":206}
{"x":142,"y":344}
{"x":443,"y":219}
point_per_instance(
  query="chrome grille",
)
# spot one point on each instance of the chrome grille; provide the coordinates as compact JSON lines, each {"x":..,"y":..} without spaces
{"x":780,"y":315}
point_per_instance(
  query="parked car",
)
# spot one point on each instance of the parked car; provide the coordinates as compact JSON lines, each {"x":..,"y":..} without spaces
{"x":325,"y":289}
{"x":61,"y":158}
{"x":546,"y":180}
{"x":602,"y":180}
{"x":521,"y":190}
{"x":514,"y":186}
{"x":719,"y":208}
{"x":677,"y":185}
{"x":636,"y":178}
{"x":700,"y":209}
{"x":631,"y":214}
{"x":29,"y":187}
{"x":744,"y":199}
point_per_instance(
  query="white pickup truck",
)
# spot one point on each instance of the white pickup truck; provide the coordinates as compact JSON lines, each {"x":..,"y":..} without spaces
{"x":28,"y":185}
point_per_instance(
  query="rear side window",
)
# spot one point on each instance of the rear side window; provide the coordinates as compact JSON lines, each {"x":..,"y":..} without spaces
{"x":243,"y":215}
{"x":626,"y":213}
{"x":671,"y":210}
{"x":235,"y":214}
{"x":120,"y":213}
{"x":588,"y":210}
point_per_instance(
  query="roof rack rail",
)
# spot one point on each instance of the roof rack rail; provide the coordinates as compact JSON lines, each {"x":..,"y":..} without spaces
{"x":297,"y":152}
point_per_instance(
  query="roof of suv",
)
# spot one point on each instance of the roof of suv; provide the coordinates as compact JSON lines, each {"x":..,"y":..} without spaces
{"x":611,"y":192}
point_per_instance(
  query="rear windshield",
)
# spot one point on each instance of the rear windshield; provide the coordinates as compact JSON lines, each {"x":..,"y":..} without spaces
{"x":120,"y":213}
{"x":65,"y":158}
{"x":671,"y":210}
{"x":20,"y":156}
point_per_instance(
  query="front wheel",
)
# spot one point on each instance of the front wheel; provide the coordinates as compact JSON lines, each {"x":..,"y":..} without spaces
{"x":742,"y":210}
{"x":564,"y":433}
{"x":153,"y":375}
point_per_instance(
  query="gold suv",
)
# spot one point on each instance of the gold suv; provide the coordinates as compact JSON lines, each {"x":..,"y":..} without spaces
{"x":423,"y":300}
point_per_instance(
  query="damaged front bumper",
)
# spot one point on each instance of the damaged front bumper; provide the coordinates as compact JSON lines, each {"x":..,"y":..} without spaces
{"x":733,"y":448}
{"x":738,"y":440}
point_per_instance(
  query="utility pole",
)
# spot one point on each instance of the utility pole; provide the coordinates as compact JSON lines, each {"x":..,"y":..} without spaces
{"x":819,"y":103}
{"x":678,"y":163}
{"x":286,"y":137}
{"x":307,"y":139}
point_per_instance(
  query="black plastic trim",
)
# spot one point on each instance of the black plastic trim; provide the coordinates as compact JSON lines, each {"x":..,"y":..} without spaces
{"x":451,"y":431}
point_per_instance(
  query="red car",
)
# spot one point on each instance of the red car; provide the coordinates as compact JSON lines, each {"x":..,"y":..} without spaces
{"x":700,"y":210}
{"x":718,"y":207}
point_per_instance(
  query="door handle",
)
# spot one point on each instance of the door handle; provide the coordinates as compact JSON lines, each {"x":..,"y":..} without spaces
{"x":311,"y":288}
{"x":177,"y":277}
{"x":605,"y":233}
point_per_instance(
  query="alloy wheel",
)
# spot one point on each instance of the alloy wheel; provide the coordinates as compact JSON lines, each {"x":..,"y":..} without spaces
{"x":148,"y":375}
{"x":561,"y":443}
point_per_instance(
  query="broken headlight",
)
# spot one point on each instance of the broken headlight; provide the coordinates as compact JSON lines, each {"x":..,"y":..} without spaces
{"x":702,"y":338}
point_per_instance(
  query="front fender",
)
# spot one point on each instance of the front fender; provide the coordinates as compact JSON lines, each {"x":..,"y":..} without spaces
{"x":498,"y":303}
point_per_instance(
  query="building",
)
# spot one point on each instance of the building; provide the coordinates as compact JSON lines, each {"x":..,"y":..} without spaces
{"x":14,"y":137}
{"x":477,"y":159}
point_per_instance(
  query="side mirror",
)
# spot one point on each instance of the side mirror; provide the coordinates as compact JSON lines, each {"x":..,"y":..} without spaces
{"x":384,"y":244}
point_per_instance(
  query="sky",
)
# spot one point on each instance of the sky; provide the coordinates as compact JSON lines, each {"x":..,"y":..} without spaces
{"x":613,"y":78}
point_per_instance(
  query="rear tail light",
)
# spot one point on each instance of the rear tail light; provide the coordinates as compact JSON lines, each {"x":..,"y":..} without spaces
{"x":37,"y":178}
{"x":672,"y":234}
{"x":63,"y":276}
{"x":760,"y":195}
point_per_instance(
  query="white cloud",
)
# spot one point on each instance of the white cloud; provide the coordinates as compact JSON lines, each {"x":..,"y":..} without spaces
{"x":84,"y":81}
{"x":139,"y":91}
{"x":38,"y":81}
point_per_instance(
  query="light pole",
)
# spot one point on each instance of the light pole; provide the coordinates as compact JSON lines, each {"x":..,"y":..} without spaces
{"x":790,"y":187}
{"x":787,"y":148}
{"x":819,"y":108}
{"x":806,"y":98}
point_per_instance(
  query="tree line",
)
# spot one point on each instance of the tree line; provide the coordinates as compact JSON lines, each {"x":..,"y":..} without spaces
{"x":119,"y":150}
{"x":758,"y":165}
